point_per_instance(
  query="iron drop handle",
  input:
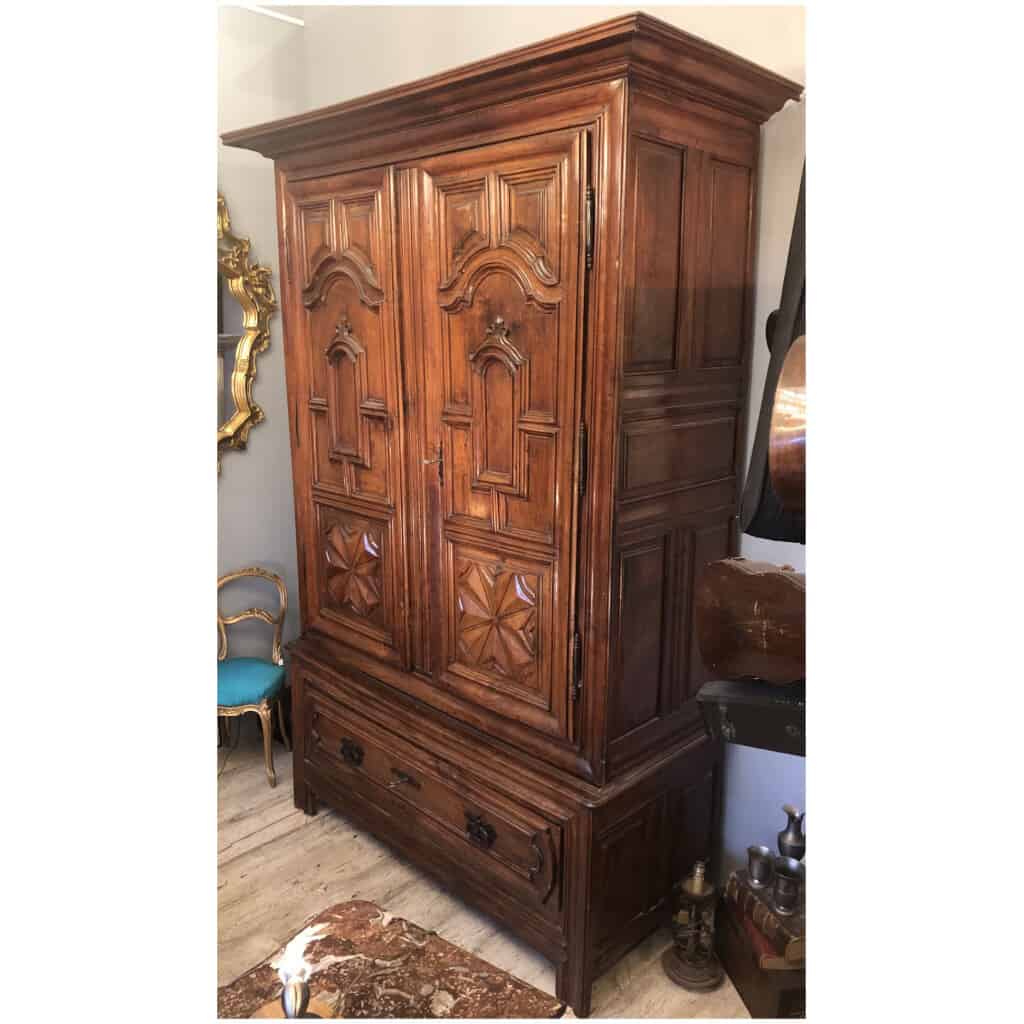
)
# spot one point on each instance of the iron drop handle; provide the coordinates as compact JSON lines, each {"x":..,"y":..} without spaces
{"x":479,"y":831}
{"x":351,"y":751}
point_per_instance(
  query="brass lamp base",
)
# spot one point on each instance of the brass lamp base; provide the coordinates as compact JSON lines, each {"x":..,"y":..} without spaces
{"x":702,"y":976}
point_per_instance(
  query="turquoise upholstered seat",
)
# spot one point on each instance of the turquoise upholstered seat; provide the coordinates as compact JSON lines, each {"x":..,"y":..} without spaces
{"x":252,"y":684}
{"x":247,"y":681}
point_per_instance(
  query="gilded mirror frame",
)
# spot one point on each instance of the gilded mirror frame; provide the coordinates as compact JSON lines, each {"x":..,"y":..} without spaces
{"x":250,"y":286}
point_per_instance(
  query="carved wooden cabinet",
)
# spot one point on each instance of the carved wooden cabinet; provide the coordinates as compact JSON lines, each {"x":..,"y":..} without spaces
{"x":517,"y":317}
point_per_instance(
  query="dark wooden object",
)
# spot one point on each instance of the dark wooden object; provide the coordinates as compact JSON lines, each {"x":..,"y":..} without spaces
{"x":755,"y":715}
{"x":750,"y":620}
{"x":517,"y":302}
{"x":766,"y":994}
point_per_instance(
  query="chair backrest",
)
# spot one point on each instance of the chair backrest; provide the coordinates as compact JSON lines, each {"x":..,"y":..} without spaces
{"x":223,"y":621}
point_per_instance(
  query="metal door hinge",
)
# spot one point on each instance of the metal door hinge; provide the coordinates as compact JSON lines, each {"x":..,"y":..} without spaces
{"x":577,"y":666}
{"x":589,"y":227}
{"x":583,"y":459}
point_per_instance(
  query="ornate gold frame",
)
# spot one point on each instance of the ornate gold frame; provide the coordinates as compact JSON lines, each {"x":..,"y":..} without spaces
{"x":264,"y":708}
{"x":251,"y":287}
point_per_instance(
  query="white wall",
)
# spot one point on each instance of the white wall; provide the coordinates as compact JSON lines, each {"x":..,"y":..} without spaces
{"x":355,"y":50}
{"x":270,"y":69}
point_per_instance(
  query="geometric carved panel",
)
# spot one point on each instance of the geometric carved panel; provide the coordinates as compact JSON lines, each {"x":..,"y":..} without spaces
{"x":353,"y":576}
{"x":497,"y":620}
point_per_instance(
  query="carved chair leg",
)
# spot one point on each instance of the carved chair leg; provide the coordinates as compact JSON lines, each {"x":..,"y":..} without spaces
{"x":281,"y":722}
{"x":268,"y":754}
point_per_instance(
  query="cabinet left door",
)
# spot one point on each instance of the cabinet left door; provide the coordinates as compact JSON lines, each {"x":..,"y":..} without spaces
{"x":344,"y":380}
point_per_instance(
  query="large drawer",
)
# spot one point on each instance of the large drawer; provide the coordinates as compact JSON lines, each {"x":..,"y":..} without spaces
{"x":510,"y":844}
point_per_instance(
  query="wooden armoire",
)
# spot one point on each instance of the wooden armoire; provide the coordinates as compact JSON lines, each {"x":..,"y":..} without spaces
{"x":517,"y":315}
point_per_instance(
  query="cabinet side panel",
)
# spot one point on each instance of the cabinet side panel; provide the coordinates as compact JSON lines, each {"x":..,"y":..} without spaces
{"x":729,"y":208}
{"x":657,"y":194}
{"x":644,"y":841}
{"x":642,"y":664}
{"x":683,"y":386}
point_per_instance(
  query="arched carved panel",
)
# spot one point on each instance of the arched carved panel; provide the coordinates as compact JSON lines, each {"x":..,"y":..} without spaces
{"x":461,"y":292}
{"x":359,"y":232}
{"x":348,"y":392}
{"x":329,"y":269}
{"x":316,"y":233}
{"x":500,"y":388}
{"x":531,"y":210}
{"x":464,"y":223}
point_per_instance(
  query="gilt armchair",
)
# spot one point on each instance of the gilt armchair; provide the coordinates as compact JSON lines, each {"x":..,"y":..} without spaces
{"x":253,"y":684}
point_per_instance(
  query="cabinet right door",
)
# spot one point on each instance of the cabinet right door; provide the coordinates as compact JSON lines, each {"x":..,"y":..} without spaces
{"x":497,"y":344}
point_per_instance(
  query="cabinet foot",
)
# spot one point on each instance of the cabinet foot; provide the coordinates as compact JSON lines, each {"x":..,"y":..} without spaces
{"x":306,"y":800}
{"x":573,"y":988}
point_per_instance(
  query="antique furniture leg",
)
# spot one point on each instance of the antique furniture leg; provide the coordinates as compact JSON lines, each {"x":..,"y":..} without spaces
{"x":573,"y":989}
{"x":281,"y":722}
{"x":268,"y":755}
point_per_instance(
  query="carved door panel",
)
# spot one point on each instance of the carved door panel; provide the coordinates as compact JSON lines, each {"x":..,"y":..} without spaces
{"x":348,"y":382}
{"x":502,"y":245}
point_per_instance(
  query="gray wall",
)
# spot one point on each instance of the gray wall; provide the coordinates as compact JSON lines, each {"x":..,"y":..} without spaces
{"x":270,"y":69}
{"x":260,"y":77}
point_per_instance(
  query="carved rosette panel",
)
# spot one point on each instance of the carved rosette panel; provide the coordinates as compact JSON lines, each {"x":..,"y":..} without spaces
{"x":497,"y":620}
{"x":353,"y":577}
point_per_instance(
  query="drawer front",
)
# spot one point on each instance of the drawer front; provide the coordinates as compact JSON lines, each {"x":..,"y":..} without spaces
{"x":514,"y":845}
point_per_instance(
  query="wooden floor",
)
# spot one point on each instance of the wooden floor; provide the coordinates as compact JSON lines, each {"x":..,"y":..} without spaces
{"x":277,"y":867}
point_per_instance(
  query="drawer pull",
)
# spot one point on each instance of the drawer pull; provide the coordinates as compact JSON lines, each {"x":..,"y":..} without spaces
{"x":536,"y":868}
{"x":479,"y":831}
{"x":351,"y":751}
{"x":402,"y":779}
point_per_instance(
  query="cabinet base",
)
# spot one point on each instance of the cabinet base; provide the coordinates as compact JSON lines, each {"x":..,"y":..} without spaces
{"x":581,"y":876}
